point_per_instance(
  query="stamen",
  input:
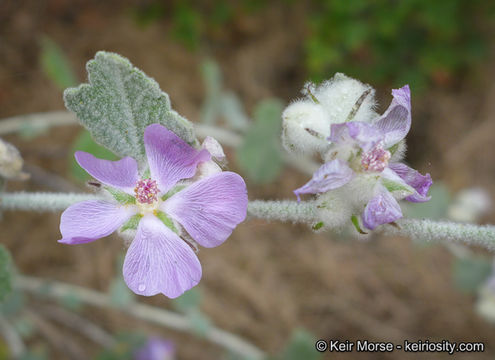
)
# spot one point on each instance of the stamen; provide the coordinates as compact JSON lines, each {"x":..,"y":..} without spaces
{"x":146,"y":191}
{"x":376,"y":159}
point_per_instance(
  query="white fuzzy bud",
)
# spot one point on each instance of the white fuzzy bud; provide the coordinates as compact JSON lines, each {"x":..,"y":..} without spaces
{"x":346,"y":99}
{"x":212,"y":166}
{"x":214,"y":148}
{"x":207,"y":168}
{"x":11,"y":162}
{"x":305,"y":127}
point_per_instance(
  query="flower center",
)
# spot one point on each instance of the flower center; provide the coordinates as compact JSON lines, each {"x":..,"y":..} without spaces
{"x":146,"y":191}
{"x":376,"y":159}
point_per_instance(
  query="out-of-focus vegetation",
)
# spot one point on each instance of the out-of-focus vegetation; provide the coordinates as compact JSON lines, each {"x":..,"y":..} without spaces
{"x":408,"y":41}
{"x":381,"y":42}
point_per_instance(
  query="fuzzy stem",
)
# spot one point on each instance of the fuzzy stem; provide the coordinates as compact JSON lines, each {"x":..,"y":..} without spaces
{"x":40,"y":201}
{"x":424,"y":229}
{"x":283,"y":210}
{"x":58,"y":290}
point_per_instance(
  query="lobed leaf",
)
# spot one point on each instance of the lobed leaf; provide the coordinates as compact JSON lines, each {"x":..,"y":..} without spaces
{"x":119,"y":102}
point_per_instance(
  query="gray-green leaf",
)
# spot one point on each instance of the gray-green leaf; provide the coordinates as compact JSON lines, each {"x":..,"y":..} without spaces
{"x":260,"y":156}
{"x":119,"y":102}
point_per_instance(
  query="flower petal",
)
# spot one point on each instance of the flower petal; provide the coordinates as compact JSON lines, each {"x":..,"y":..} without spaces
{"x":421,"y":183}
{"x":170,"y":158}
{"x":395,"y":184}
{"x":210,"y":208}
{"x":121,"y":174}
{"x":159,"y":261}
{"x":364,"y":134}
{"x":381,"y":209}
{"x":396,"y":121}
{"x":329,"y":176}
{"x":91,"y":220}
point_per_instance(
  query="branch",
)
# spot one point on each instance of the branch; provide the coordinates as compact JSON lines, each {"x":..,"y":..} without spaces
{"x":12,"y":338}
{"x":57,"y":290}
{"x":423,"y":229}
{"x":40,"y":201}
{"x":285,"y":210}
{"x":46,"y":120}
{"x":78,"y":323}
{"x":483,"y":235}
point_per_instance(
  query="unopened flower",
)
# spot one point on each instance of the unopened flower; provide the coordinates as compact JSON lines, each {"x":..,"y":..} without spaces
{"x":360,"y":170}
{"x":11,"y":162}
{"x":306,"y":122}
{"x":164,"y":207}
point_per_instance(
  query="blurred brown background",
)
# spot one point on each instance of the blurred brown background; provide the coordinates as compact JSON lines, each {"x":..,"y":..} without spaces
{"x":268,"y":278}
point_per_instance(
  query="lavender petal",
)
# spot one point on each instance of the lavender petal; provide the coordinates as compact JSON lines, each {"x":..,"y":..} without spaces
{"x":91,"y":220}
{"x":210,"y":208}
{"x":329,"y":176}
{"x":159,"y":261}
{"x":421,"y":183}
{"x":169,"y":157}
{"x":396,"y":121}
{"x":381,"y":209}
{"x":121,"y":174}
{"x":348,"y":133}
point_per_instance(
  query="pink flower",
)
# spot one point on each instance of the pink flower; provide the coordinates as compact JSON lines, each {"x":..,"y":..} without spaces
{"x":365,"y":150}
{"x":163,"y":207}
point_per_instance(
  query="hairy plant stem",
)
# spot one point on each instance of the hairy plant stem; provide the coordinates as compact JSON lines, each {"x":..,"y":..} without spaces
{"x":292,"y":211}
{"x":59,"y":290}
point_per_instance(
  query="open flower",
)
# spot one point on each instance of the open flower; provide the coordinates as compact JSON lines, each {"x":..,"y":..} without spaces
{"x":359,"y":163}
{"x":163,"y":207}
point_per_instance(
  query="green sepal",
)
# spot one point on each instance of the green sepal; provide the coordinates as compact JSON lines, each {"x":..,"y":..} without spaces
{"x":355,"y":222}
{"x":393,"y":149}
{"x":393,"y":186}
{"x":318,"y":226}
{"x":147,"y":174}
{"x":132,"y":223}
{"x":167,"y":221}
{"x":172,"y":192}
{"x":121,"y":197}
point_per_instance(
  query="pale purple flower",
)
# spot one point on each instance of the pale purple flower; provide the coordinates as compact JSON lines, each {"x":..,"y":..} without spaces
{"x":365,"y":149}
{"x":156,"y":349}
{"x":166,"y":207}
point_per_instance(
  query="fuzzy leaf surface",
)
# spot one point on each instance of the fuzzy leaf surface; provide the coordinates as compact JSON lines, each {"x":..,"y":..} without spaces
{"x":119,"y":102}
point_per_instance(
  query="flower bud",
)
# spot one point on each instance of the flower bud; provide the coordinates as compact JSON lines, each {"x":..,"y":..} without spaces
{"x":305,"y":127}
{"x":345,"y":99}
{"x":11,"y":162}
